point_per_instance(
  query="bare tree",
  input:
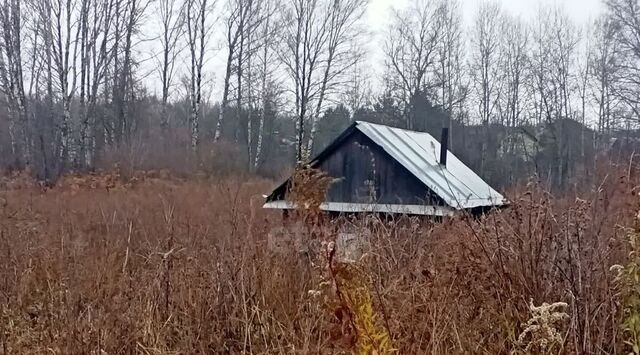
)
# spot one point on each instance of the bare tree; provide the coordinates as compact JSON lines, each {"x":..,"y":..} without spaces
{"x":341,"y":51}
{"x":244,"y":16}
{"x":95,"y":20}
{"x":65,"y":47}
{"x":602,"y":68}
{"x":514,"y":99}
{"x":411,"y":51}
{"x":358,"y":91}
{"x":99,"y":57}
{"x":553,"y":58}
{"x":133,"y":12}
{"x":172,"y":27}
{"x":266,"y":72}
{"x":232,"y":37}
{"x":449,"y":71}
{"x":624,"y":16}
{"x":44,"y":133}
{"x":198,"y":28}
{"x":84,"y":44}
{"x":515,"y":45}
{"x":121,"y":81}
{"x":11,"y":78}
{"x":257,"y":41}
{"x":485,"y":66}
{"x":318,"y":49}
{"x":304,"y":39}
{"x":252,"y":17}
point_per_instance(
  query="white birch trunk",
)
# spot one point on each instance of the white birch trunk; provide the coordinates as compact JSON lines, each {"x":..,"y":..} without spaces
{"x":223,"y":105}
{"x":194,"y":125}
{"x":65,"y":153}
{"x":316,"y":116}
{"x":263,"y":90}
{"x":258,"y":152}
{"x":231,"y":42}
{"x":12,"y":134}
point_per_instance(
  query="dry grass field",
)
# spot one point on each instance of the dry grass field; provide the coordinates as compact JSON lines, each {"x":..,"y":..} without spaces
{"x":150,"y":264}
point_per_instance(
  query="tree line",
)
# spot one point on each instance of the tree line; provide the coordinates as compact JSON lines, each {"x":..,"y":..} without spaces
{"x":256,"y":85}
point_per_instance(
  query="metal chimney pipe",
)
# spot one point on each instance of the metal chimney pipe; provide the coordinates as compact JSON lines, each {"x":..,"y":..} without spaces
{"x":444,"y":146}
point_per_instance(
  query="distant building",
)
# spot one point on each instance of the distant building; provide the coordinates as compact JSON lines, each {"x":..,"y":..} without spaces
{"x":519,"y":142}
{"x":391,"y":170}
{"x":624,"y":144}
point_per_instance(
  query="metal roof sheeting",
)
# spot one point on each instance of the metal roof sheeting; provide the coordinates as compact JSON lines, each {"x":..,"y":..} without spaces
{"x":418,"y":152}
{"x":368,"y":207}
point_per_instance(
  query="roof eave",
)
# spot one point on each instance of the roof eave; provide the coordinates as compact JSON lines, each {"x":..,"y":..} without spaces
{"x":345,"y":207}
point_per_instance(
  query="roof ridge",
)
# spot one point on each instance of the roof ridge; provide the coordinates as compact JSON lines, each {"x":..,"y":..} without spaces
{"x":393,"y":128}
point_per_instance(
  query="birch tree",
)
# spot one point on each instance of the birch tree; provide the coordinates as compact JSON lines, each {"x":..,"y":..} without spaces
{"x":132,"y":12}
{"x":257,"y":28}
{"x":267,"y":67}
{"x":253,"y":16}
{"x":317,"y":50}
{"x":198,"y":28}
{"x":64,"y":54}
{"x":99,"y":55}
{"x":232,"y":36}
{"x":242,"y":18}
{"x":44,"y":126}
{"x":95,"y":20}
{"x":11,"y":78}
{"x":304,"y":39}
{"x":341,"y":51}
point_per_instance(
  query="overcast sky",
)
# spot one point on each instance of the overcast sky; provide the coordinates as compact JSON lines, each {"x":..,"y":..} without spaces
{"x":582,"y":12}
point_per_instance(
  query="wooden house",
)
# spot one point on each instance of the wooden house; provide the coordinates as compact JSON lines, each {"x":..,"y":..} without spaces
{"x":382,"y":169}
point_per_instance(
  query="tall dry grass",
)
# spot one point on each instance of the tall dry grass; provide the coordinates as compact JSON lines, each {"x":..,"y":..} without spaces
{"x":155,"y":265}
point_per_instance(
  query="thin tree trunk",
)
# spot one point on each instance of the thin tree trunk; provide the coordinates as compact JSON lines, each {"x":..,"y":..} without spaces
{"x":239,"y":68}
{"x":316,"y":115}
{"x":263,"y":90}
{"x":225,"y":98}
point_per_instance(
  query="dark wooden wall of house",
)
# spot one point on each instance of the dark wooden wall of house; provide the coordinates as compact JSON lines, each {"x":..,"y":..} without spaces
{"x":367,"y":174}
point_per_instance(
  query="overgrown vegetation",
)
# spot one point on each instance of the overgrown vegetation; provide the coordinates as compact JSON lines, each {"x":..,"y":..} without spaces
{"x":150,"y":264}
{"x":628,"y":287}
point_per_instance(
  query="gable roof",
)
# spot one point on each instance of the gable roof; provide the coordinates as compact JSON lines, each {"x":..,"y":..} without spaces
{"x":458,"y":185}
{"x":418,"y":152}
